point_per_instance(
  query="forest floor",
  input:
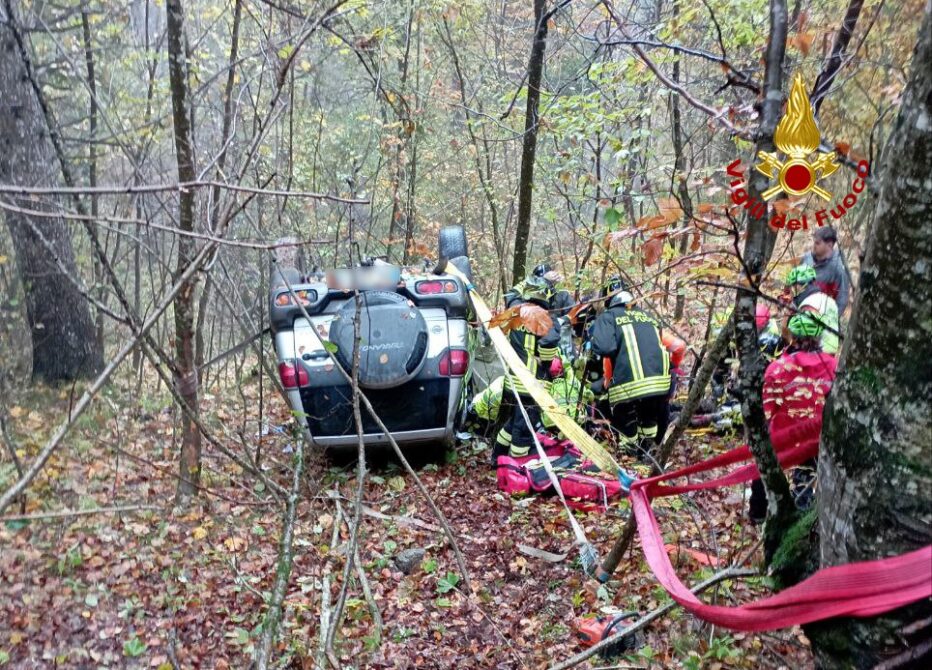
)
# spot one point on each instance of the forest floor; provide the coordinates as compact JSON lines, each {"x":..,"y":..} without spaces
{"x":163,"y":587}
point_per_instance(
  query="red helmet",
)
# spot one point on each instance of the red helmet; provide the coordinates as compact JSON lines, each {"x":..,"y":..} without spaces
{"x":762,"y":316}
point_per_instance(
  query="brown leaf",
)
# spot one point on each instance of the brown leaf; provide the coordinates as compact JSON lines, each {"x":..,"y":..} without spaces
{"x":802,"y":41}
{"x":652,"y":249}
{"x":503,"y":319}
{"x":536,"y":319}
{"x":651,"y":222}
{"x":670,"y":209}
{"x":781,"y":206}
{"x":576,"y":309}
{"x":620,"y":236}
{"x":697,"y":241}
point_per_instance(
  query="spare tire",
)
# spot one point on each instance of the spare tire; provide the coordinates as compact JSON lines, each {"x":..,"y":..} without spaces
{"x":452,"y":246}
{"x":393,"y":339}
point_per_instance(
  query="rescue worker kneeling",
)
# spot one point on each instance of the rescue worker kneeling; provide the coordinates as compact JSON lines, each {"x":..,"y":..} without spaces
{"x":515,"y":436}
{"x":638,"y":389}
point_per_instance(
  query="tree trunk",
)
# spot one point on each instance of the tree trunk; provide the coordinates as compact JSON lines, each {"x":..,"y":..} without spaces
{"x":758,"y":248}
{"x":679,"y":176}
{"x":64,"y":343}
{"x":186,"y":379}
{"x":529,"y":145}
{"x":874,"y":479}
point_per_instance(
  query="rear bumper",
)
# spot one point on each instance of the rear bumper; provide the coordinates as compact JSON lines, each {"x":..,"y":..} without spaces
{"x":420,"y":411}
{"x":432,"y":435}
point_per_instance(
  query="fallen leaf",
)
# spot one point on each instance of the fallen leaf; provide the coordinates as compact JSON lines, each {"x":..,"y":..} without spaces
{"x":535,"y":318}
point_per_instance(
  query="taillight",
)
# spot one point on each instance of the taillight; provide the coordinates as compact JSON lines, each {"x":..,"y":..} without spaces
{"x":434,"y":287}
{"x":304,"y":298}
{"x":292,"y":375}
{"x":454,"y":362}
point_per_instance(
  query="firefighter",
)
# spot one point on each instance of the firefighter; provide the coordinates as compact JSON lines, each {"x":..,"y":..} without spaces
{"x":639,"y":385}
{"x":769,"y":335}
{"x":515,"y":436}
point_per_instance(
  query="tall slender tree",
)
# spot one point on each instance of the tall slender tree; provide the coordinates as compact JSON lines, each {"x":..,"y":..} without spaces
{"x":186,"y":377}
{"x":535,"y":71}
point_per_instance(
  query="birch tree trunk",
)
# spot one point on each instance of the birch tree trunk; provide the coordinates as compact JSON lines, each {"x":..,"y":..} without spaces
{"x":875,"y":480}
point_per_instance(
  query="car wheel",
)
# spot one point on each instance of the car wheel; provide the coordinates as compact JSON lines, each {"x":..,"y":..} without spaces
{"x":453,"y":242}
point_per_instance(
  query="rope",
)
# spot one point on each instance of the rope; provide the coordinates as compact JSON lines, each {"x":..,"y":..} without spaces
{"x":587,"y":553}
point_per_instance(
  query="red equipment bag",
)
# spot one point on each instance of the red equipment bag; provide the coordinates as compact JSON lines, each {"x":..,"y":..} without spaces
{"x":584,"y":487}
{"x":589,"y":491}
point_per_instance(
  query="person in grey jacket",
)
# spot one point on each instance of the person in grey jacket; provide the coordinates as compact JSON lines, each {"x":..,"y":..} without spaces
{"x":832,"y":275}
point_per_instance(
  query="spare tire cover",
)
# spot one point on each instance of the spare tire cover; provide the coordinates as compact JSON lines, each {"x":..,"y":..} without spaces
{"x":393,"y":339}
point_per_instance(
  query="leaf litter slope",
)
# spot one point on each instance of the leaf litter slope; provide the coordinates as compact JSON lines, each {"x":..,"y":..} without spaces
{"x":147,"y":588}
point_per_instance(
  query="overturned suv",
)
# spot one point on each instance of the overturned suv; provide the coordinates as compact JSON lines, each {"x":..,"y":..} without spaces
{"x":415,"y":346}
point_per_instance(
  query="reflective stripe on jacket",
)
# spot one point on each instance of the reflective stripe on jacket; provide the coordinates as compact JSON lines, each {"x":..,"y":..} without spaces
{"x":641,"y":364}
{"x":524,"y":342}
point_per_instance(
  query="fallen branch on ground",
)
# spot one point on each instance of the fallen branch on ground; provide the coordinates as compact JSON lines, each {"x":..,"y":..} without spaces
{"x":283,"y":568}
{"x":64,"y":514}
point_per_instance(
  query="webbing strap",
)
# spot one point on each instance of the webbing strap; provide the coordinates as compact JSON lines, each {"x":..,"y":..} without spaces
{"x":594,"y":451}
{"x":862,"y":589}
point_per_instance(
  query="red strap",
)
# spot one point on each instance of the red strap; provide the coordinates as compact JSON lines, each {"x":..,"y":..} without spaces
{"x":788,"y":458}
{"x":861,"y":589}
{"x":857,"y":589}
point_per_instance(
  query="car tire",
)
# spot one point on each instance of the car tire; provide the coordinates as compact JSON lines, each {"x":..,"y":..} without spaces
{"x":391,"y":355}
{"x":452,"y":242}
{"x":452,"y":245}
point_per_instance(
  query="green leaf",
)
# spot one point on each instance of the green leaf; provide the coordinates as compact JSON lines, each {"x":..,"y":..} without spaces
{"x":429,"y":565}
{"x":397,"y":483}
{"x":447,"y":583}
{"x":612,"y":217}
{"x":134,"y":647}
{"x":90,"y":600}
{"x":331,"y":347}
{"x":4,"y":657}
{"x":443,"y":602}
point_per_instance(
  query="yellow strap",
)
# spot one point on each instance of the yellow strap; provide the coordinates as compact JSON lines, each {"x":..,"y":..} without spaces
{"x":572,"y":430}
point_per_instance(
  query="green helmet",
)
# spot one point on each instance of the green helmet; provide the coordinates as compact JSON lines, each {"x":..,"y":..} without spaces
{"x":804,"y":325}
{"x":802,"y":274}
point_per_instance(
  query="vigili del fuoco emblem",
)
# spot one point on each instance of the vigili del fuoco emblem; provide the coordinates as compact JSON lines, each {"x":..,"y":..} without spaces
{"x":797,"y":136}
